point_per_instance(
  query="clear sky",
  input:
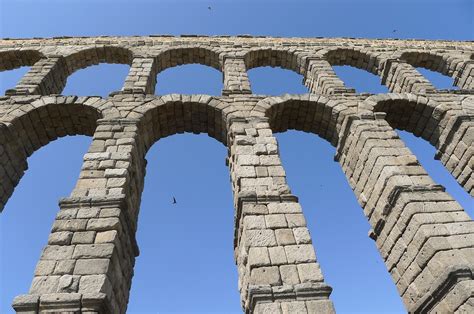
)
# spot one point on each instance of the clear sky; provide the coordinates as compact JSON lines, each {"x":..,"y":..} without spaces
{"x":186,"y":263}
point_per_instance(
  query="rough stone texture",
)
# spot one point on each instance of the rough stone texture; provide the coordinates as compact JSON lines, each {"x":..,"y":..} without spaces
{"x":424,"y":236}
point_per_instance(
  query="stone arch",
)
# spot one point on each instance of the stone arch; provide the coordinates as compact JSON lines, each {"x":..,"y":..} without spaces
{"x":92,"y":56}
{"x":177,"y":56}
{"x":172,"y":114}
{"x":310,"y":113}
{"x":448,"y":128}
{"x":12,"y":59}
{"x":361,"y":59}
{"x":166,"y":116}
{"x":84,"y":58}
{"x":284,"y":58}
{"x":187,"y":55}
{"x":434,"y":61}
{"x":357,"y":58}
{"x":26,"y":128}
{"x":420,"y":115}
{"x":456,"y":67}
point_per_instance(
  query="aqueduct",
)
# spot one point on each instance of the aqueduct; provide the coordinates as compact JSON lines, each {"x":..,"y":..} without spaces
{"x":424,"y":236}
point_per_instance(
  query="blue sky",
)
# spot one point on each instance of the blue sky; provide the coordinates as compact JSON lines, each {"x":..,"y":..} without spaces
{"x":186,"y":249}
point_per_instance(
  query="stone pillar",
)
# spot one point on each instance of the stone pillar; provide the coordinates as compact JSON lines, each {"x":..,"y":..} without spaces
{"x":465,"y":80}
{"x":320,"y":78}
{"x":236,"y":80}
{"x":456,"y":150}
{"x":47,"y":76}
{"x":278,"y":270}
{"x":87,"y":265}
{"x":424,"y":236}
{"x":402,"y":77}
{"x":12,"y":163}
{"x":141,"y":78}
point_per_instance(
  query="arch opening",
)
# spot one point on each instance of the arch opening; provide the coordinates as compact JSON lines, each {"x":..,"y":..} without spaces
{"x":88,"y":57}
{"x":337,"y":225}
{"x":24,"y":134}
{"x":195,"y":233}
{"x":439,"y":80}
{"x":29,"y":214}
{"x":98,"y":80}
{"x":362,"y":81}
{"x":266,"y":80}
{"x":424,"y":153}
{"x":10,"y":78}
{"x":189,"y":79}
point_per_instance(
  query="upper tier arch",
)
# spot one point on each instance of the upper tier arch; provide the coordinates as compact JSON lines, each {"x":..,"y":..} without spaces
{"x":289,"y":59}
{"x":95,"y":55}
{"x":442,"y":63}
{"x":358,"y":58}
{"x":187,"y":55}
{"x":92,"y":56}
{"x":12,"y":59}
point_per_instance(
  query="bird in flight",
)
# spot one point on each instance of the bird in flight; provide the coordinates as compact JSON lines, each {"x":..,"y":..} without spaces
{"x":394,"y":31}
{"x":174,"y":200}
{"x":209,"y":8}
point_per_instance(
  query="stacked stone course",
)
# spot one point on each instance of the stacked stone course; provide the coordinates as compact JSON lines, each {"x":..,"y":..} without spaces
{"x":424,"y":236}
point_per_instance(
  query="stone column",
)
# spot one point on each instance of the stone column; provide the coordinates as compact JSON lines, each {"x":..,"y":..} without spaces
{"x":424,"y":236}
{"x":47,"y":76}
{"x":465,"y":80}
{"x":401,"y":77}
{"x":456,"y":150}
{"x":87,"y":265}
{"x":12,"y":163}
{"x":236,"y":80}
{"x":141,"y":78}
{"x":278,"y":270}
{"x":320,"y":78}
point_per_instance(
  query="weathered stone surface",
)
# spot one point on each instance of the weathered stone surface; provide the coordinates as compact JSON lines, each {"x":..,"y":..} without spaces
{"x":93,"y":250}
{"x":56,"y":252}
{"x":289,"y":275}
{"x":68,"y":283}
{"x":300,"y":253}
{"x":64,"y":267}
{"x":309,"y":272}
{"x":94,"y":284}
{"x":91,"y":266}
{"x":106,"y":236}
{"x":44,"y":284}
{"x":84,"y":237}
{"x":265,"y":276}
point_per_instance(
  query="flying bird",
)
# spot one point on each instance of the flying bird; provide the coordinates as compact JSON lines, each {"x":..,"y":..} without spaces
{"x":209,"y":8}
{"x":174,"y":200}
{"x":394,"y":31}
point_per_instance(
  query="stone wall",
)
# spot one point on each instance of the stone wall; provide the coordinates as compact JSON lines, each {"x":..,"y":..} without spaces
{"x":424,"y":236}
